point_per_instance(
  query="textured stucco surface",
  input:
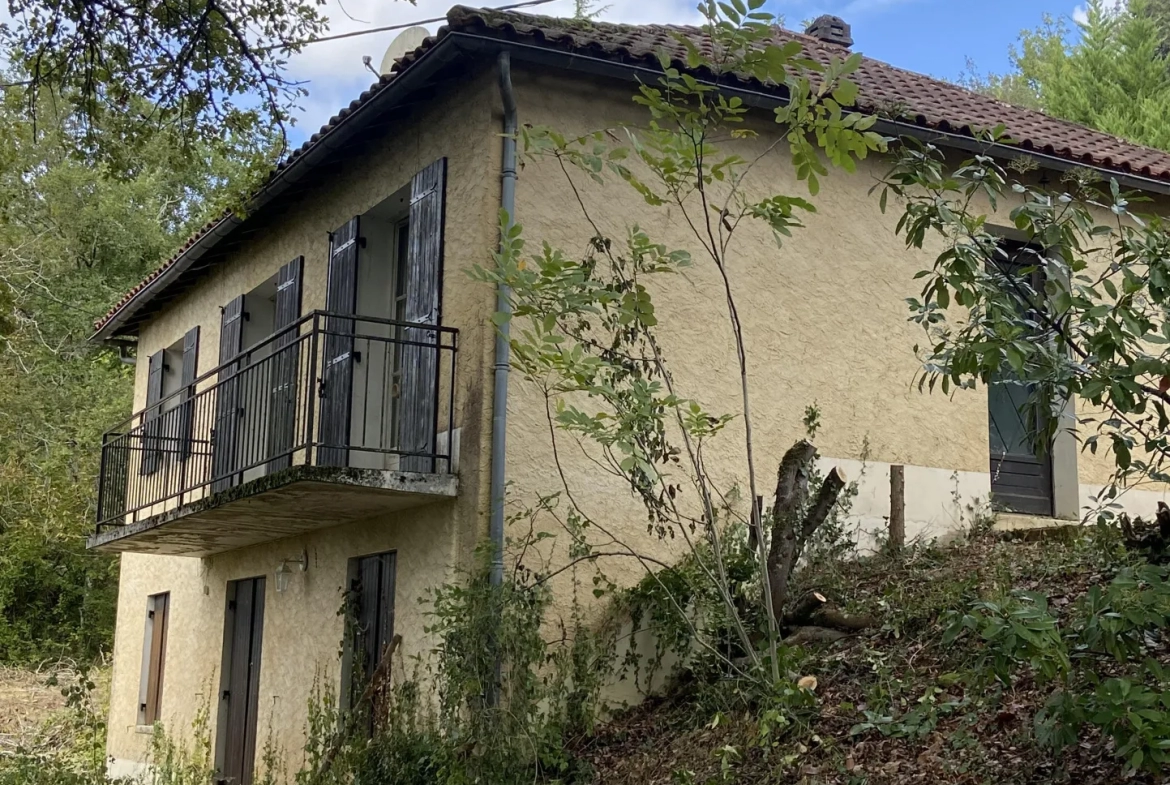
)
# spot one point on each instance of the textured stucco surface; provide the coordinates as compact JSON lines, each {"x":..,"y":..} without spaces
{"x":825,"y":321}
{"x":302,"y":630}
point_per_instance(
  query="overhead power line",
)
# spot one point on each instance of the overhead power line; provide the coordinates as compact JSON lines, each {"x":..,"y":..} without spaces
{"x":338,"y":37}
{"x":402,"y":26}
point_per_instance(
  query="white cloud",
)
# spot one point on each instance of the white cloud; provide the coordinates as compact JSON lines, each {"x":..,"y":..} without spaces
{"x":333,"y":72}
{"x":1080,"y":13}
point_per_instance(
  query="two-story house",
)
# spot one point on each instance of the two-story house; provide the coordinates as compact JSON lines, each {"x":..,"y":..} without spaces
{"x":315,"y":399}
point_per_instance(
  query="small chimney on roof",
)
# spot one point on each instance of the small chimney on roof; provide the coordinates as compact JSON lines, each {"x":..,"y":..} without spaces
{"x":832,"y":29}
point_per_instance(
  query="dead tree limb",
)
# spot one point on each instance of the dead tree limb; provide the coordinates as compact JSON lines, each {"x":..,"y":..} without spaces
{"x":814,"y":635}
{"x":802,"y":612}
{"x":813,"y":611}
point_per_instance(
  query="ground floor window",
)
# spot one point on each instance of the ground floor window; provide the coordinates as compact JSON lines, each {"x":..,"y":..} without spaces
{"x":154,"y":653}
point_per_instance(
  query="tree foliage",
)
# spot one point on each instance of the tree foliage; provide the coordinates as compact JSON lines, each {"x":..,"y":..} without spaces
{"x":75,"y":232}
{"x":1113,"y":75}
{"x":212,"y":67}
{"x":1077,"y":310}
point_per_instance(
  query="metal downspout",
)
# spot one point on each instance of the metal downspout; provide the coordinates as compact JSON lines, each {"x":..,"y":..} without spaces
{"x":503,"y":305}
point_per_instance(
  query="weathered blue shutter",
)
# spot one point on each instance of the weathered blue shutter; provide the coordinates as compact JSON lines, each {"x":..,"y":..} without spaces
{"x":285,"y":365}
{"x":189,"y":372}
{"x":418,"y":411}
{"x":337,"y":363}
{"x":225,"y":433}
{"x":152,"y":432}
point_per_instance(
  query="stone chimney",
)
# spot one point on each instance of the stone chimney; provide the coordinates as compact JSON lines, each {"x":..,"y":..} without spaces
{"x":832,"y":29}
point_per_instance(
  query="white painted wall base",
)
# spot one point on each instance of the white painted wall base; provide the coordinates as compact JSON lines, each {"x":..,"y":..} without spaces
{"x":122,"y":768}
{"x":943,"y":502}
{"x":939,"y":502}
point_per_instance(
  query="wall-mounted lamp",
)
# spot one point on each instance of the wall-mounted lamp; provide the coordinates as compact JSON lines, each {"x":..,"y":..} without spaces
{"x":285,"y":570}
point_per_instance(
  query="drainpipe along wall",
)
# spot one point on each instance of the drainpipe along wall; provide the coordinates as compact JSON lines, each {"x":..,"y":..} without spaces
{"x":502,"y":351}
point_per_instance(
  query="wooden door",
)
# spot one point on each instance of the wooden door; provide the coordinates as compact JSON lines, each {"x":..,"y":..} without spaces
{"x":1021,"y":467}
{"x":417,"y":409}
{"x":240,"y":682}
{"x":337,"y":363}
{"x":371,"y":594}
{"x":1021,"y":475}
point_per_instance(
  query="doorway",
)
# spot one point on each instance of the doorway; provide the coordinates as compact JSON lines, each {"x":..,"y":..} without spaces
{"x":240,"y":682}
{"x":1021,"y":476}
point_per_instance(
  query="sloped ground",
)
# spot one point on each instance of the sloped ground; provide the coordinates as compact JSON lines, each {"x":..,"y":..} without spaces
{"x":26,"y":704}
{"x":894,"y":705}
{"x":34,"y":713}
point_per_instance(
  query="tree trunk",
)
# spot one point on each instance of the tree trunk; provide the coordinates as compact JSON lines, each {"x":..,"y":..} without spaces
{"x":790,"y":532}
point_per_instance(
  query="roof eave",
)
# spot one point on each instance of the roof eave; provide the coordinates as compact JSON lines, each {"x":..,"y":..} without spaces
{"x":456,"y":41}
{"x":602,"y":67}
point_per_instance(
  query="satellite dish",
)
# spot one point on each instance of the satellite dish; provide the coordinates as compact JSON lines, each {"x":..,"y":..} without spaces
{"x":407,"y":41}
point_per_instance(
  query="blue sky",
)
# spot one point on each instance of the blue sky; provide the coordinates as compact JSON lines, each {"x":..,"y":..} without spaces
{"x":929,"y":36}
{"x":933,"y":36}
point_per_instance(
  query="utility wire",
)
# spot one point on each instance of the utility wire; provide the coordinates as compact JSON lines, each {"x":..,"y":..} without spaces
{"x":355,"y":33}
{"x":338,"y":37}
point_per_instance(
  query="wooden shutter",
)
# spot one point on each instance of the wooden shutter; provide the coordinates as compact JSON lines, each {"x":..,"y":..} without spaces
{"x":240,"y":681}
{"x":225,"y":433}
{"x":372,"y":592}
{"x":152,"y":432}
{"x":189,"y":372}
{"x":285,"y":365}
{"x":158,"y":614}
{"x":418,"y":410}
{"x":337,"y":363}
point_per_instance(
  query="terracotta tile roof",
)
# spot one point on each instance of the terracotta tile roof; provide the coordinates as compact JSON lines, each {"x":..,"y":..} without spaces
{"x":883,"y":89}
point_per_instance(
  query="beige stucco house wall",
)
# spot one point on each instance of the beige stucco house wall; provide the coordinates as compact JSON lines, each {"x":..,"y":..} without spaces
{"x":825,"y":322}
{"x":302,"y":628}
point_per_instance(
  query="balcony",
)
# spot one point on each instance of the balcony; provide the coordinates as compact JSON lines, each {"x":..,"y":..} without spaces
{"x":334,"y":419}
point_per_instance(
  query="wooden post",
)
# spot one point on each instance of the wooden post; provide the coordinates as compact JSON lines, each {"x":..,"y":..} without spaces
{"x":897,"y":507}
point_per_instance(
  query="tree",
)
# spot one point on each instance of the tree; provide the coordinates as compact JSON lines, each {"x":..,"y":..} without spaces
{"x":208,"y":66}
{"x":1078,"y":309}
{"x":1115,"y":77}
{"x":587,"y":334}
{"x":75,"y":232}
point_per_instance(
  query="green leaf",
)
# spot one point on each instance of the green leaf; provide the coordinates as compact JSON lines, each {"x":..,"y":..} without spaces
{"x":845,"y":93}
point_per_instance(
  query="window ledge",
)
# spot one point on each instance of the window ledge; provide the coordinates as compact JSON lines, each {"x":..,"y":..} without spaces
{"x":144,"y":729}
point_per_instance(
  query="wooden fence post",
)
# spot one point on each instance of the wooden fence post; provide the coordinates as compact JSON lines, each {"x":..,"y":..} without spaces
{"x":897,"y":507}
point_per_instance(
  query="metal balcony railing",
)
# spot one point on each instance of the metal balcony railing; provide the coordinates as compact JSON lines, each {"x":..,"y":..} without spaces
{"x":331,"y":390}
